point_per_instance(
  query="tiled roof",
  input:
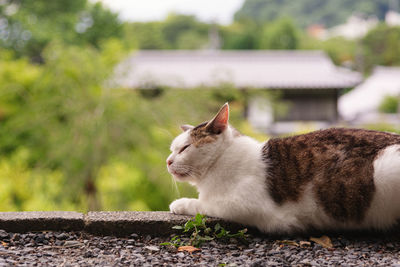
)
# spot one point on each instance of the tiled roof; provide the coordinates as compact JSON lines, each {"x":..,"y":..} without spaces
{"x":245,"y":69}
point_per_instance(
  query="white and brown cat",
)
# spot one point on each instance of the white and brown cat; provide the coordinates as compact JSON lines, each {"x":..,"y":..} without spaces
{"x":328,"y":179}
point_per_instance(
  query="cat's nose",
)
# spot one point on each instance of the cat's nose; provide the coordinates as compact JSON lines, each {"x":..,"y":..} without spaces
{"x":169,"y":162}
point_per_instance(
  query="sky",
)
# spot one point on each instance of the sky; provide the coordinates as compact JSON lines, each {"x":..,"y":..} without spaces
{"x":220,"y":11}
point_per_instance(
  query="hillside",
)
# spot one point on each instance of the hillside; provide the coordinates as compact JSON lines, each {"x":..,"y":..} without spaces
{"x":306,"y":12}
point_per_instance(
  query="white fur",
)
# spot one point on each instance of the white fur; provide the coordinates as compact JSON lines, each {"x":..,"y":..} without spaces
{"x":385,"y":207}
{"x":230,"y":176}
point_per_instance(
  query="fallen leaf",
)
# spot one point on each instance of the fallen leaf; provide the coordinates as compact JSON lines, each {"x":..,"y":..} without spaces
{"x":4,"y":244}
{"x":289,"y":242}
{"x":324,"y":241}
{"x":189,"y":249}
{"x":305,"y":244}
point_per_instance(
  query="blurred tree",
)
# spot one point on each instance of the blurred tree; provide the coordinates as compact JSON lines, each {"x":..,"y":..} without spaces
{"x":307,"y":12}
{"x":175,"y":32}
{"x":64,"y":121}
{"x":97,"y":24}
{"x":28,"y":26}
{"x":381,"y":46}
{"x":176,"y":25}
{"x":390,"y":104}
{"x":24,"y":188}
{"x":281,"y":34}
{"x":342,"y":51}
{"x":240,"y":35}
{"x":145,"y":35}
{"x":191,"y":40}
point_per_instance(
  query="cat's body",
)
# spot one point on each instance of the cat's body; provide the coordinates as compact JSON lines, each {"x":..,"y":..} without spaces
{"x":329,"y":179}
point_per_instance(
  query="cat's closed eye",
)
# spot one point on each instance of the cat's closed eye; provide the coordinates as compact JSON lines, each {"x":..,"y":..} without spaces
{"x":184,"y":148}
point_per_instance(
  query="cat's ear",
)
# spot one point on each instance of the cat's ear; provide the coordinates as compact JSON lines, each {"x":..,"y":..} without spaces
{"x":186,"y":127}
{"x":220,"y":122}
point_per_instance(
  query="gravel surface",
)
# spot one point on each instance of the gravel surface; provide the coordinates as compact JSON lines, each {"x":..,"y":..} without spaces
{"x":81,"y":249}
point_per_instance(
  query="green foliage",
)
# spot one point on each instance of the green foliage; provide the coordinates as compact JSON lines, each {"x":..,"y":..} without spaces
{"x":17,"y":78}
{"x":191,"y":40}
{"x":246,"y":34}
{"x":124,"y":186}
{"x":240,"y":35}
{"x":390,"y":104}
{"x":24,"y":188}
{"x":281,"y":34}
{"x":339,"y":49}
{"x":145,"y":35}
{"x":65,"y":117}
{"x":199,"y":233}
{"x":97,"y":24}
{"x":176,"y":25}
{"x":175,"y":241}
{"x":381,"y":46}
{"x":226,"y":92}
{"x":32,"y":25}
{"x":176,"y":32}
{"x":307,"y":12}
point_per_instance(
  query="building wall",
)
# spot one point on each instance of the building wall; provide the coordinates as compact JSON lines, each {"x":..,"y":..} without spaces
{"x":309,"y":105}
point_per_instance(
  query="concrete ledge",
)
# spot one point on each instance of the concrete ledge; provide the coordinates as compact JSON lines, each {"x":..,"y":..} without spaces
{"x":41,"y":220}
{"x":119,"y":223}
{"x":128,"y":222}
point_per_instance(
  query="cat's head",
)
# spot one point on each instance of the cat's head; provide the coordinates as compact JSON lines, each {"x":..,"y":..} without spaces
{"x":195,"y":150}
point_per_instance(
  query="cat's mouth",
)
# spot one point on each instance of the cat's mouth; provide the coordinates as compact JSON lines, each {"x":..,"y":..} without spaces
{"x":177,"y":174}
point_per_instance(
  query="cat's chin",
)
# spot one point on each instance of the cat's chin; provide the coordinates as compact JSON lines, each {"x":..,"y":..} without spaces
{"x":179,"y":176}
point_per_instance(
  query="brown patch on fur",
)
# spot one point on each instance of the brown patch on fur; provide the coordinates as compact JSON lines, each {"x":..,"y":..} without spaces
{"x":338,"y":162}
{"x":201,"y":136}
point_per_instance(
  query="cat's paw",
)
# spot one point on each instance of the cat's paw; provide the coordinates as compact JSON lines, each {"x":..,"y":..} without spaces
{"x":187,"y":206}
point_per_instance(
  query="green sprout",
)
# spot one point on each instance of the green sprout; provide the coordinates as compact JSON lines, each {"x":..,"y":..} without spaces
{"x":199,"y":233}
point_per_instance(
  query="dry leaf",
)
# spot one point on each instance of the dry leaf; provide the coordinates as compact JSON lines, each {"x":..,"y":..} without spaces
{"x":189,"y":249}
{"x":324,"y":241}
{"x":4,"y":244}
{"x":289,"y":242}
{"x":305,"y":244}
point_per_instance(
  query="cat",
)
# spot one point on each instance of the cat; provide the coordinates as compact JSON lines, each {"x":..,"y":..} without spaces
{"x":329,"y":179}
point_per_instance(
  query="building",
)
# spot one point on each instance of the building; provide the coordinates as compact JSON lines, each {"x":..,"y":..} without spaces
{"x":392,"y":18}
{"x":308,"y":81}
{"x":356,"y":26}
{"x":361,"y":105}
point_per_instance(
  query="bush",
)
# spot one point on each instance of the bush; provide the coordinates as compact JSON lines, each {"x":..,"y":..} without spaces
{"x":390,"y":104}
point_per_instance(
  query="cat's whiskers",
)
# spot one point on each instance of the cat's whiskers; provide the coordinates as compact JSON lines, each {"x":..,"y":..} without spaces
{"x":175,"y":186}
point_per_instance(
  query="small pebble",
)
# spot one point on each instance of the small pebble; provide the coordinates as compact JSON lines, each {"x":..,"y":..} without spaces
{"x":4,"y":234}
{"x":62,"y":236}
{"x":152,"y":248}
